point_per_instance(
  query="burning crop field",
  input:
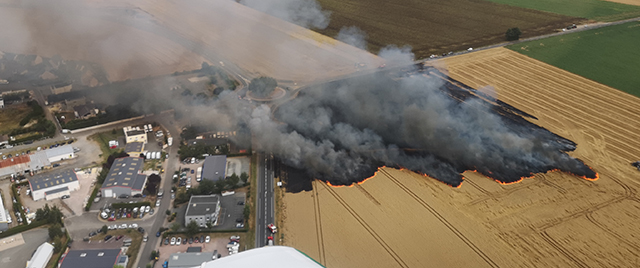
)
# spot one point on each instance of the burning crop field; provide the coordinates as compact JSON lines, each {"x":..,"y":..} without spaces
{"x":418,"y":119}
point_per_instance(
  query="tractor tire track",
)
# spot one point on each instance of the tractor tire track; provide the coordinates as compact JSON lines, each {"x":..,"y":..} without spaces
{"x":366,"y":226}
{"x":320,"y":236}
{"x":440,"y":218}
{"x":553,"y":243}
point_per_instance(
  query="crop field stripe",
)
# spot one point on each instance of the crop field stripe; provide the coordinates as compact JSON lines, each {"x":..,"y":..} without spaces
{"x":316,"y":208}
{"x":615,"y":66}
{"x":611,"y":232}
{"x":512,"y":99}
{"x":514,"y":88}
{"x":552,"y":98}
{"x":366,"y":226}
{"x":591,"y":9}
{"x":552,"y":242}
{"x":442,"y":219}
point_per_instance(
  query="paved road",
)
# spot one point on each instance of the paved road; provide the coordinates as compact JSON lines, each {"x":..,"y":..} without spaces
{"x":265,"y":205}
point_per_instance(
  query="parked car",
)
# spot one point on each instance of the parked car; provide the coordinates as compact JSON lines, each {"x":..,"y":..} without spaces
{"x":92,"y":234}
{"x":158,"y":203}
{"x":166,"y":241}
{"x":202,"y":239}
{"x":190,"y":240}
{"x":65,"y":196}
{"x":145,"y":238}
{"x":123,"y":226}
{"x":158,"y":234}
{"x":234,"y":237}
{"x":151,"y":211}
{"x":179,"y":241}
{"x":173,"y":241}
{"x":207,"y":239}
{"x":106,"y":238}
{"x":119,"y":237}
{"x":124,"y":196}
{"x":146,"y":209}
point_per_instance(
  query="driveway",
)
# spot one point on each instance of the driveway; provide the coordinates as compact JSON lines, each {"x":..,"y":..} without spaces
{"x":17,"y":257}
{"x":79,"y":197}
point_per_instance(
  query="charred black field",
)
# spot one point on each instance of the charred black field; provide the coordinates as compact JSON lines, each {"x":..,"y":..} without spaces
{"x":416,"y":118}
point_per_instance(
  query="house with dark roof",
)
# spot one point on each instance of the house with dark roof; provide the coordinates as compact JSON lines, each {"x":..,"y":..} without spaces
{"x":94,"y":258}
{"x":52,"y":185}
{"x":134,"y":148}
{"x":85,"y":111}
{"x":214,"y":167}
{"x":124,"y":178}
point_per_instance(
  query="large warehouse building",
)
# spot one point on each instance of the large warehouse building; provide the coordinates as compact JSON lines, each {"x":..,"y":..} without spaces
{"x":124,"y":178}
{"x":4,"y":217}
{"x":214,"y":167}
{"x":41,"y":257}
{"x":94,"y":258}
{"x":53,"y":185}
{"x":203,"y":209}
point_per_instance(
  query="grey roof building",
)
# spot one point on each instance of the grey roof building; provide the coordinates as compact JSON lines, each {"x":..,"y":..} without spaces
{"x":53,"y":185}
{"x":94,"y":258}
{"x":214,"y":167}
{"x":41,"y":257}
{"x":39,"y":160}
{"x":4,"y":217}
{"x":134,"y":148}
{"x":59,"y":153}
{"x":188,"y":260}
{"x":203,"y":209}
{"x":124,"y":178}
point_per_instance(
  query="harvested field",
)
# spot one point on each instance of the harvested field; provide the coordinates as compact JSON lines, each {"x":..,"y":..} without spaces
{"x":124,"y":52}
{"x":257,"y":42}
{"x":402,"y":219}
{"x":591,"y":9}
{"x":616,"y":66}
{"x":10,"y":117}
{"x":435,"y":27}
{"x":627,"y":2}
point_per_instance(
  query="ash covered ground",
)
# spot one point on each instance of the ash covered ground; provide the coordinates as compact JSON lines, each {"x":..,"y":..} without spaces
{"x":342,"y":132}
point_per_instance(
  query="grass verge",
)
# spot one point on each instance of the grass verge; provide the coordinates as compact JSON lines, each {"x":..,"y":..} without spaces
{"x":607,"y":55}
{"x":103,"y":139}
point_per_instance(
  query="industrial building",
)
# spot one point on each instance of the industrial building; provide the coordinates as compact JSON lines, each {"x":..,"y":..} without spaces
{"x":15,"y":165}
{"x":188,"y":260}
{"x":41,"y":257}
{"x":53,"y":185}
{"x":134,"y":134}
{"x":124,"y":178}
{"x":58,"y":153}
{"x":134,"y":148}
{"x":203,"y":209}
{"x":4,"y":217}
{"x":94,"y":258}
{"x":214,"y":167}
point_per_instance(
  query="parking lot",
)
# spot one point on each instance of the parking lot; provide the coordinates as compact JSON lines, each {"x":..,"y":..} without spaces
{"x":218,"y":242}
{"x":28,"y":202}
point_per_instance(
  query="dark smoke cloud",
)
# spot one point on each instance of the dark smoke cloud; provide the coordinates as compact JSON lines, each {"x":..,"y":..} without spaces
{"x":306,"y":13}
{"x":342,"y":131}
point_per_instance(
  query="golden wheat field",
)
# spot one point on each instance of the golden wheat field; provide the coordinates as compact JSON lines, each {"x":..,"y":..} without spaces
{"x":402,"y":219}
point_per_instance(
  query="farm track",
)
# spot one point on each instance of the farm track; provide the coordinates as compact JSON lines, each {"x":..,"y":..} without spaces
{"x":318,"y":221}
{"x":440,"y":218}
{"x":365,"y":225}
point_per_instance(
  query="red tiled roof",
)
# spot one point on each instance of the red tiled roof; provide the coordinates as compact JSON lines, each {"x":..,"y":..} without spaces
{"x":14,"y":161}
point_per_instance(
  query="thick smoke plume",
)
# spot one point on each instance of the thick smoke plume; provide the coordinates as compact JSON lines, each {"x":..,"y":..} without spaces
{"x":343,"y":131}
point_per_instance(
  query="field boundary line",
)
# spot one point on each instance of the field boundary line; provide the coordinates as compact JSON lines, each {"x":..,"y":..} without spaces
{"x":366,"y":226}
{"x":442,"y":219}
{"x":553,"y":243}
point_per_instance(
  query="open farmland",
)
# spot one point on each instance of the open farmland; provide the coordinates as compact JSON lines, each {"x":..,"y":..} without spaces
{"x":590,"y":54}
{"x":590,"y":9}
{"x":11,"y":116}
{"x":402,"y":219}
{"x":435,"y":27}
{"x":86,"y":35}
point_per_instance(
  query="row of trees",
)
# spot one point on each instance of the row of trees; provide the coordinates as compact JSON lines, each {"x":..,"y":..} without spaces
{"x":208,"y":187}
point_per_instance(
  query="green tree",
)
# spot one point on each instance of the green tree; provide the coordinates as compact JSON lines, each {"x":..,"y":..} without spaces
{"x":244,"y":178}
{"x":57,"y":245}
{"x":168,"y":212}
{"x":55,"y":231}
{"x":262,"y":86}
{"x":192,"y":228}
{"x":232,"y":181}
{"x":154,"y":255}
{"x":513,"y":34}
{"x":104,"y":229}
{"x":175,"y":226}
{"x":247,"y":212}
